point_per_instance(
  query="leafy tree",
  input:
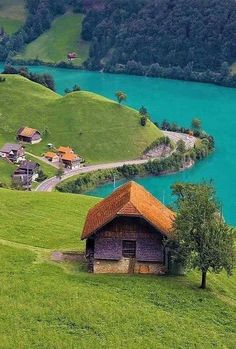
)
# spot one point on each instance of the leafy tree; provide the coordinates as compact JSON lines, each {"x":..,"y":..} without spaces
{"x":74,"y":89}
{"x":204,"y":240}
{"x":121,"y":96}
{"x":181,"y":146}
{"x":41,"y":176}
{"x":60,"y":172}
{"x":174,"y":127}
{"x":143,"y":120}
{"x":165,"y":125}
{"x":196,"y":124}
{"x":143,"y":111}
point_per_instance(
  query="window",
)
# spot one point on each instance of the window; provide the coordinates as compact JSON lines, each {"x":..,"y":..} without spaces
{"x":129,"y":249}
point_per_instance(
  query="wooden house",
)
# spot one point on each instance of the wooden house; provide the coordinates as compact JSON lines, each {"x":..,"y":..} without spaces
{"x":26,"y":173}
{"x":51,"y":156}
{"x":29,"y":135}
{"x":71,"y":56}
{"x":13,"y":152}
{"x":71,"y":161}
{"x":125,"y":233}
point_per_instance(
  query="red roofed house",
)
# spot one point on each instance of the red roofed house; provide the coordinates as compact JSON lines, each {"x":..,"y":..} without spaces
{"x":71,"y":160}
{"x":125,"y":233}
{"x":29,"y":135}
{"x":51,"y":156}
{"x":65,"y":150}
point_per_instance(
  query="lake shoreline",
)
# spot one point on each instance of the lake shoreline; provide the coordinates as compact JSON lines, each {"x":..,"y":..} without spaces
{"x":196,"y":77}
{"x":163,"y":174}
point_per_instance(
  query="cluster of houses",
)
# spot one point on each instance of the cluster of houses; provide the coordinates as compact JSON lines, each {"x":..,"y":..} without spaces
{"x":26,"y":171}
{"x":65,"y":156}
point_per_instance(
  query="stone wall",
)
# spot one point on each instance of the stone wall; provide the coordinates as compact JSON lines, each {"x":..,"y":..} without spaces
{"x":128,"y":266}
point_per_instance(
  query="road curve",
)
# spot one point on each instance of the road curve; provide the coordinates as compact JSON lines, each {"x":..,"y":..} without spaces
{"x":50,"y":184}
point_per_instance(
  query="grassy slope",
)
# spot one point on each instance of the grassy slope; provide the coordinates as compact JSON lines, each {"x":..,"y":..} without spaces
{"x":49,"y":170}
{"x":46,"y":306}
{"x":6,"y":171}
{"x":54,"y":45}
{"x":98,"y":129}
{"x":51,"y":220}
{"x":12,"y":14}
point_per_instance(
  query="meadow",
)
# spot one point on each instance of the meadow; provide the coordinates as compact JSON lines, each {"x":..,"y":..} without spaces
{"x":100,"y":130}
{"x":59,"y":305}
{"x":54,"y":45}
{"x":12,"y":15}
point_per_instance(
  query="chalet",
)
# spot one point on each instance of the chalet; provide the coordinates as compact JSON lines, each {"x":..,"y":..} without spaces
{"x":13,"y":152}
{"x":125,"y":233}
{"x":71,"y":160}
{"x":29,"y":135}
{"x":52,"y":157}
{"x":71,"y":56}
{"x":27,"y":169}
{"x":65,"y":150}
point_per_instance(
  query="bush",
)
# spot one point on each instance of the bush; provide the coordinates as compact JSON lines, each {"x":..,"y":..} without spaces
{"x":143,"y":120}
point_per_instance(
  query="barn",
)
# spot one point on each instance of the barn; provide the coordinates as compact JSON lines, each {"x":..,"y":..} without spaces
{"x":29,"y":135}
{"x":126,"y":233}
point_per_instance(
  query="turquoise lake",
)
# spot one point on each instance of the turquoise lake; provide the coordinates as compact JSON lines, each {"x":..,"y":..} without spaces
{"x":180,"y":102}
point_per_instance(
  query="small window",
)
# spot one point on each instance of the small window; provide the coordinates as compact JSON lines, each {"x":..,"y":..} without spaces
{"x":129,"y":249}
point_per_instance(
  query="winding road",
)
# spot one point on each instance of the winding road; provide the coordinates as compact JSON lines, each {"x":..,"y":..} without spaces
{"x":50,"y":184}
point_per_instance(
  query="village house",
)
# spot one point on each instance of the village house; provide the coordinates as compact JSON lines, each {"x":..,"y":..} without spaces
{"x":71,"y":56}
{"x":13,"y":152}
{"x":71,"y":161}
{"x":125,"y":233}
{"x":65,"y":150}
{"x":52,"y":157}
{"x":29,"y":135}
{"x":26,"y":173}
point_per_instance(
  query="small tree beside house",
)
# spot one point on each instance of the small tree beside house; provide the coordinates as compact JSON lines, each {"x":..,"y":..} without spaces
{"x":204,"y":240}
{"x":60,"y":171}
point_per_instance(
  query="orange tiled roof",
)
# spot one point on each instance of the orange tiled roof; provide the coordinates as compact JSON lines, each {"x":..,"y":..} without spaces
{"x":50,"y":154}
{"x":130,"y":200}
{"x":27,"y":132}
{"x":69,"y":157}
{"x":65,"y":150}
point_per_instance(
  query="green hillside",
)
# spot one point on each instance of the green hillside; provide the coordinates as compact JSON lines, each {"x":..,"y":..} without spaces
{"x":61,"y":306}
{"x":56,"y":43}
{"x":6,"y":171}
{"x":12,"y":14}
{"x":51,"y":220}
{"x":98,"y":129}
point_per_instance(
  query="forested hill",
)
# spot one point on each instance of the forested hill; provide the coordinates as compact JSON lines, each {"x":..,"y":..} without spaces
{"x":183,"y":39}
{"x":132,"y":35}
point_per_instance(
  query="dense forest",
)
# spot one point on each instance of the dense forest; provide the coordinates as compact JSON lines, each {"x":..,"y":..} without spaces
{"x":184,"y":39}
{"x":168,"y":32}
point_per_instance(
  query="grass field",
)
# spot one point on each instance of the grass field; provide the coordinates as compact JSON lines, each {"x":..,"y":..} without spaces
{"x":56,"y":43}
{"x":51,"y":220}
{"x":60,"y":306}
{"x":12,"y":14}
{"x":6,"y":171}
{"x":98,"y":129}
